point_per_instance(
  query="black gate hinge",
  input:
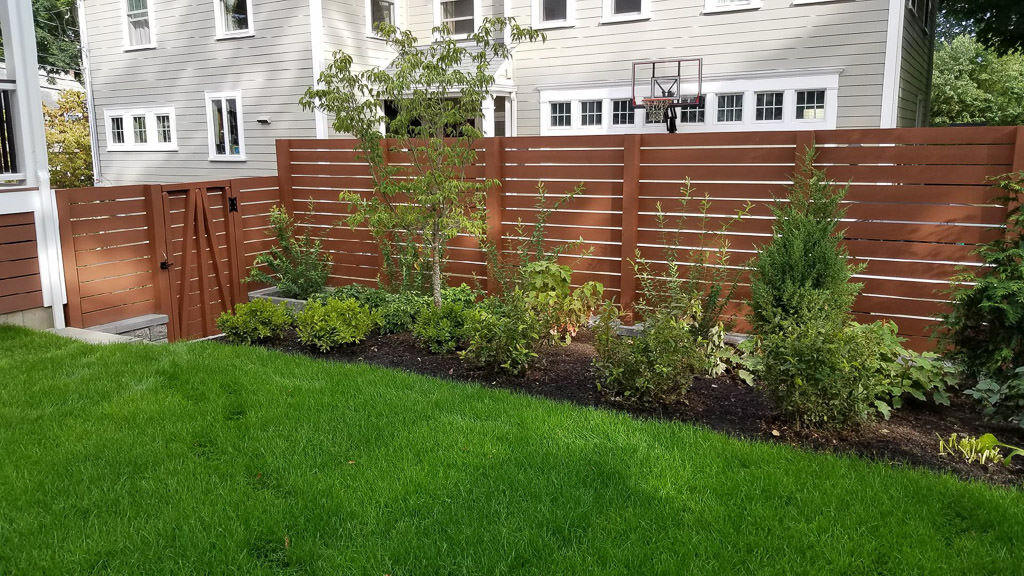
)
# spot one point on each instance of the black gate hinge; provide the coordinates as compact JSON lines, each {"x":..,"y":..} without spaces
{"x":232,"y":204}
{"x":165,"y":265}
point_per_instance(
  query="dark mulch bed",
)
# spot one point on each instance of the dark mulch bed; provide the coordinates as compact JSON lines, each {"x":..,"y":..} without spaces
{"x":725,"y":404}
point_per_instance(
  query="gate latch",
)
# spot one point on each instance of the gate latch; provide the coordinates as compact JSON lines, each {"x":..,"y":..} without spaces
{"x":232,"y":204}
{"x":165,"y":265}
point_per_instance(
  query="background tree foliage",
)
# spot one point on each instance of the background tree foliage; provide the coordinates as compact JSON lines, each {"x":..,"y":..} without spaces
{"x":57,"y":38}
{"x":998,"y":24}
{"x":974,"y":84}
{"x":67,"y":141}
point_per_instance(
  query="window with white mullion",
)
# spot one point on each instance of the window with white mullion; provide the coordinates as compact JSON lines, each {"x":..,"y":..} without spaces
{"x":591,"y":113}
{"x":379,"y":12}
{"x":140,"y":129}
{"x":233,"y":18}
{"x":458,"y":15}
{"x":554,"y":13}
{"x":224,"y":121}
{"x":117,"y":130}
{"x":626,"y":10}
{"x":138,"y":33}
{"x":730,"y":108}
{"x":623,"y":112}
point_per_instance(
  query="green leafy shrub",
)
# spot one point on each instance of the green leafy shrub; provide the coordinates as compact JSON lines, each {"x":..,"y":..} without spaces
{"x":547,"y":291}
{"x":803,"y":272}
{"x":502,"y":333}
{"x":441,"y":329}
{"x":256,"y":322}
{"x":985,"y":330}
{"x":819,"y":373}
{"x":657,"y":364}
{"x":398,"y":312}
{"x":372,"y":298}
{"x":298,"y":266}
{"x":462,"y":295}
{"x":901,"y":372}
{"x":326,"y":326}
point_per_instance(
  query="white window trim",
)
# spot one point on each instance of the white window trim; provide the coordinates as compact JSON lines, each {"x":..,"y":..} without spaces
{"x":743,"y":109}
{"x":540,"y":24}
{"x":608,"y":16}
{"x":370,"y":33}
{"x":714,"y":7}
{"x":214,"y":157}
{"x":477,"y":17}
{"x":126,"y":31}
{"x":152,"y":142}
{"x":218,"y":18}
{"x":748,"y":86}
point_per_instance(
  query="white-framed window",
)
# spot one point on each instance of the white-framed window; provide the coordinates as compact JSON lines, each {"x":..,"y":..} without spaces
{"x":380,"y":12}
{"x":692,"y":114}
{"x":554,"y":13}
{"x":225,"y":132}
{"x":626,"y":10}
{"x":623,"y":112}
{"x":138,"y":25}
{"x":591,"y":113}
{"x":561,"y":114}
{"x":141,"y":129}
{"x":769,"y":107}
{"x":461,"y":16}
{"x":712,"y":6}
{"x":233,"y":18}
{"x":922,"y":10}
{"x":730,"y":108}
{"x":810,"y":105}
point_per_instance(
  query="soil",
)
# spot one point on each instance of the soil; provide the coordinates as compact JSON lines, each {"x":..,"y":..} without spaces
{"x":725,"y":404}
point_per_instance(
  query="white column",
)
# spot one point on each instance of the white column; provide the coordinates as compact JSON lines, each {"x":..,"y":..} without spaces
{"x":23,"y":65}
{"x":487,"y":119}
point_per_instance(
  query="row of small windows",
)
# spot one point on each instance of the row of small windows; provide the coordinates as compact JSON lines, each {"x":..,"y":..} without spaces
{"x":155,"y":129}
{"x":769,"y":107}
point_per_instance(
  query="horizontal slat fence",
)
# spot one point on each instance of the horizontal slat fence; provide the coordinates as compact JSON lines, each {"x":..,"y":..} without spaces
{"x":919,"y":203}
{"x":20,"y":284}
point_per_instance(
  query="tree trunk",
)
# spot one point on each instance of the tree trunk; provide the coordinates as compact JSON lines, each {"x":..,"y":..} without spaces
{"x":435,"y":263}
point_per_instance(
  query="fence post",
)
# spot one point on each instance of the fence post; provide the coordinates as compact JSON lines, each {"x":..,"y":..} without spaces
{"x":160,"y":253}
{"x":804,"y":140}
{"x":284,"y":175}
{"x":70,"y":262}
{"x":1018,"y":167}
{"x":630,"y":224}
{"x":494,"y":171}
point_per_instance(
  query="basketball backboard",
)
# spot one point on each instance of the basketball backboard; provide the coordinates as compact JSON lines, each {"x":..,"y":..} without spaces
{"x":677,"y":79}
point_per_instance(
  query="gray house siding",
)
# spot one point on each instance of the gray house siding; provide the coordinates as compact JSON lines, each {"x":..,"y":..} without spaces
{"x":271,"y":69}
{"x":915,"y":70}
{"x":776,"y":37}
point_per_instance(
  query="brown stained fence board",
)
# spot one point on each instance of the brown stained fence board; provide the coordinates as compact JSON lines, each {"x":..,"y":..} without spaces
{"x":349,"y":170}
{"x":322,"y":144}
{"x":913,"y":251}
{"x":113,"y":254}
{"x":700,"y":140}
{"x":17,"y":219}
{"x":994,"y":155}
{"x":901,"y":306}
{"x":918,"y":194}
{"x":904,"y":288}
{"x":103,"y":193}
{"x":20,"y":285}
{"x":563,"y":157}
{"x":568,"y":234}
{"x":945,"y":136}
{"x":19,"y":251}
{"x":738,"y":156}
{"x":18,"y":302}
{"x":19,"y":233}
{"x":964,"y":175}
{"x":720,"y":173}
{"x":554,"y":142}
{"x":16,"y":268}
{"x":112,"y":224}
{"x":106,"y":209}
{"x":334,"y":156}
{"x":113,"y":269}
{"x":745,"y":190}
{"x":117,"y":299}
{"x":119,"y":313}
{"x":513,"y":204}
{"x":87,"y":289}
{"x":574,"y":173}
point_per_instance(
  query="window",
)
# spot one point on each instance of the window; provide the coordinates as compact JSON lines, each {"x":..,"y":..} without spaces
{"x":117,"y":130}
{"x":380,"y":12}
{"x":711,"y":6}
{"x":561,"y":114}
{"x":553,"y":13}
{"x":591,"y":112}
{"x":810,"y":105}
{"x":224,"y":117}
{"x":626,"y":10}
{"x":139,"y":129}
{"x":769,"y":106}
{"x":730,"y":108}
{"x":623,"y":112}
{"x":459,"y":15}
{"x":234,"y":18}
{"x":137,"y":21}
{"x":150,"y":129}
{"x":163,"y":128}
{"x":922,"y":10}
{"x":692,"y":115}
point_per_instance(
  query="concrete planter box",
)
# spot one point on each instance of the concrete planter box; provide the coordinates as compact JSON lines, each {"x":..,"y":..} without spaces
{"x":274,"y":295}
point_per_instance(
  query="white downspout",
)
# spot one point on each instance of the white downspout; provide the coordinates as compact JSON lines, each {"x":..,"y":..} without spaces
{"x":97,"y":170}
{"x":316,"y":36}
{"x":893,"y":64}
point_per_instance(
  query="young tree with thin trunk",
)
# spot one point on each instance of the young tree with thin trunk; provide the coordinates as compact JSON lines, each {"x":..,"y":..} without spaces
{"x":419,"y":112}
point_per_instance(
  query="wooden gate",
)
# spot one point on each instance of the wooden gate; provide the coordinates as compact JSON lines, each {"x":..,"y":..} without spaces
{"x":201,"y":229}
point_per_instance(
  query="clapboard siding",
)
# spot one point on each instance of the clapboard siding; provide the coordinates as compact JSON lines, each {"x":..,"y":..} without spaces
{"x":271,"y":69}
{"x":780,"y":36}
{"x":915,"y":70}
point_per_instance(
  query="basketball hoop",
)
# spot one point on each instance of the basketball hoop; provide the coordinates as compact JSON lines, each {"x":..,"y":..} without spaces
{"x":656,"y":107}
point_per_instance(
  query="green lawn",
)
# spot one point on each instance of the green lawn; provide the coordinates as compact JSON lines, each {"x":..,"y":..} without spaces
{"x":202,"y":458}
